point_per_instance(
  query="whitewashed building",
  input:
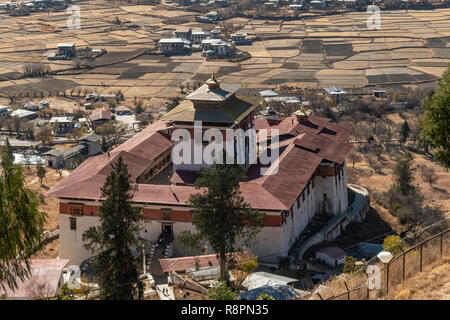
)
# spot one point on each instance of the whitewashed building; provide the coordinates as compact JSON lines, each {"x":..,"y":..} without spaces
{"x":308,"y":174}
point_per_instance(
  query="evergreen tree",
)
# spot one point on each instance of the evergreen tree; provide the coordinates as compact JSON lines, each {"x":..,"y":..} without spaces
{"x":112,"y":242}
{"x":41,"y":172}
{"x":435,"y":123}
{"x":403,"y":175}
{"x":8,"y":150}
{"x":220,"y":214}
{"x":21,"y":224}
{"x":404,"y":132}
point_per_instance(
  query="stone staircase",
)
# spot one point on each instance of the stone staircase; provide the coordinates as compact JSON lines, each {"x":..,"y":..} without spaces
{"x":159,"y":251}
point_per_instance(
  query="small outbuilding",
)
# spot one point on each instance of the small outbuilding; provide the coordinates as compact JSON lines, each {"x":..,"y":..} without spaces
{"x":333,"y":256}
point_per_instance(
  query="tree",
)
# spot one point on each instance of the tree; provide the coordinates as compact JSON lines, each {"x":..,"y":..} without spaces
{"x":220,"y":214}
{"x":113,"y":240}
{"x":190,"y":243}
{"x":172,"y":103}
{"x":349,"y":264}
{"x":435,"y":123}
{"x":21,"y":223}
{"x":8,"y":149}
{"x":393,"y":244}
{"x":222,"y":292}
{"x":354,"y":157}
{"x":403,"y":175}
{"x":244,"y":269}
{"x":404,"y":132}
{"x":44,"y":135}
{"x":429,"y":175}
{"x":40,"y":172}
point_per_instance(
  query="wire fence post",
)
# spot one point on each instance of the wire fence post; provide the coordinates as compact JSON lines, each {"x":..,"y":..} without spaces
{"x":421,"y":256}
{"x":319,"y":296}
{"x":441,"y":249}
{"x":387,"y":278}
{"x":348,"y":291}
{"x":403,"y":268}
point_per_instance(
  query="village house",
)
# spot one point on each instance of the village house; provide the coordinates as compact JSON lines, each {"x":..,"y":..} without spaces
{"x":197,"y":36}
{"x":332,"y":256}
{"x":64,"y":124}
{"x":88,"y":145}
{"x":123,"y":111}
{"x":239,"y":38}
{"x":99,"y":118}
{"x":310,"y":174}
{"x":174,"y":45}
{"x":23,"y":114}
{"x":183,"y":34}
{"x":318,"y":4}
{"x":335,"y":94}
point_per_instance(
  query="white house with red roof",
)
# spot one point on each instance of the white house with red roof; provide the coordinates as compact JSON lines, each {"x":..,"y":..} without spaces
{"x":311,"y":177}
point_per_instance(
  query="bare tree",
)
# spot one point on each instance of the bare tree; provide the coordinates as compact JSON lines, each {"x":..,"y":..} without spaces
{"x":429,"y":175}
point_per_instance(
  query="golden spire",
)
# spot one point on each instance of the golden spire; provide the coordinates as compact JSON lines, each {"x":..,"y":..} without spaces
{"x":212,"y":83}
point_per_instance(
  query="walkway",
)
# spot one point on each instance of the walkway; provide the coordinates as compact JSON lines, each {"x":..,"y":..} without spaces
{"x":353,"y":213}
{"x":169,"y":294}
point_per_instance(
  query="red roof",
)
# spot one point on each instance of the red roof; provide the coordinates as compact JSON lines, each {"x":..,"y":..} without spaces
{"x":185,"y":263}
{"x":100,"y":115}
{"x":306,"y":144}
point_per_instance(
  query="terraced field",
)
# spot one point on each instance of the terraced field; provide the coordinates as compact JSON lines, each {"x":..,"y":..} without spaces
{"x":412,"y":47}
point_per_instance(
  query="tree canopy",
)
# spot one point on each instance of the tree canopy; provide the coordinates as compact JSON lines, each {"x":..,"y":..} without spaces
{"x":114,"y":239}
{"x":221,"y":216}
{"x":21,"y":224}
{"x":435,"y":123}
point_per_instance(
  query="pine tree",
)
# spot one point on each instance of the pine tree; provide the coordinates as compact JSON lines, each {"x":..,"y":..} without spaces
{"x":112,"y":242}
{"x":403,"y":175}
{"x":21,"y":224}
{"x":404,"y":132}
{"x":220,"y":214}
{"x":8,"y":150}
{"x":435,"y":123}
{"x":41,"y":172}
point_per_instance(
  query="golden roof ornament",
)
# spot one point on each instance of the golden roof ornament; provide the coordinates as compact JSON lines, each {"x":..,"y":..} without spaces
{"x":212,"y":82}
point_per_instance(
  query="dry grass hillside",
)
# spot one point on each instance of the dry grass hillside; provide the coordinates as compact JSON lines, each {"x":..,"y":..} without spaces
{"x":431,"y":284}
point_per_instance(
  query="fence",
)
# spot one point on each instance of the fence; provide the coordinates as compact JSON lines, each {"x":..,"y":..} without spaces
{"x":412,"y":255}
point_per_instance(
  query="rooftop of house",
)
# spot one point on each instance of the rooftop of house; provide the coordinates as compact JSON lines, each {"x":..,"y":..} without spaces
{"x":61,"y":119}
{"x":21,"y":113}
{"x":44,"y":273}
{"x":100,"y":115}
{"x":91,"y":137}
{"x":122,"y":108}
{"x":334,"y":90}
{"x":333,"y":252}
{"x":184,"y":263}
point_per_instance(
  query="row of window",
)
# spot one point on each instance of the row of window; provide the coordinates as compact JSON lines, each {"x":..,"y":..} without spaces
{"x":308,"y":188}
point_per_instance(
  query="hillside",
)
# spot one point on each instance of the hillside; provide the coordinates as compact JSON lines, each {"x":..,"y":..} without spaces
{"x":431,"y":284}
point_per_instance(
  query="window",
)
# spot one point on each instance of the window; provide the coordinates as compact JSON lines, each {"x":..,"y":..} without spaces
{"x":307,"y":188}
{"x":312,"y":183}
{"x":76,"y":209}
{"x":303,"y":195}
{"x":166,"y":214}
{"x":298,"y":202}
{"x":73,"y":223}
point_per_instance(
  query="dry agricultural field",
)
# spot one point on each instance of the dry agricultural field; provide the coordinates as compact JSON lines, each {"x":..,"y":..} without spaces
{"x":412,"y":46}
